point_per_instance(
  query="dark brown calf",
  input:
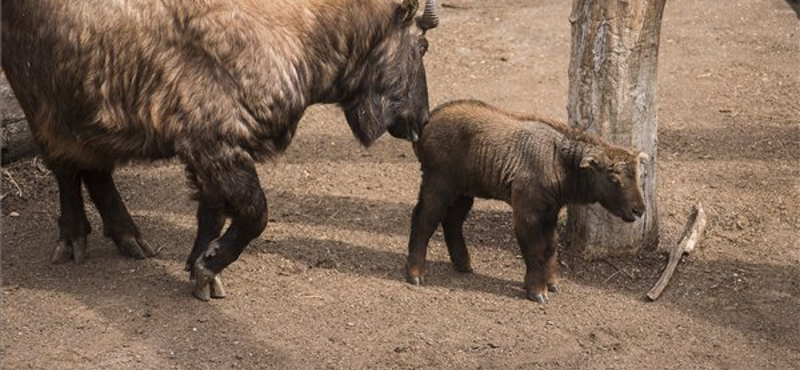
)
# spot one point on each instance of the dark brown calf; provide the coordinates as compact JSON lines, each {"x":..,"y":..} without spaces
{"x":469,"y":149}
{"x":221,"y":84}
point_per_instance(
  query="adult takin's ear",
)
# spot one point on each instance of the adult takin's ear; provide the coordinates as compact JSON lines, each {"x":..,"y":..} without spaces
{"x":406,"y":12}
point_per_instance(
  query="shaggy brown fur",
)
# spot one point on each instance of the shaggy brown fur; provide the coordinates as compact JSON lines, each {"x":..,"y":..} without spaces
{"x":218,"y":83}
{"x":470,"y":149}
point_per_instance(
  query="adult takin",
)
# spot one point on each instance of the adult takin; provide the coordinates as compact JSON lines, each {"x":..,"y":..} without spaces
{"x":470,"y":149}
{"x":220,"y":84}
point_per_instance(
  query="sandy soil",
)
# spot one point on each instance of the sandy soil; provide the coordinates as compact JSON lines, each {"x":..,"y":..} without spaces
{"x":323,"y":287}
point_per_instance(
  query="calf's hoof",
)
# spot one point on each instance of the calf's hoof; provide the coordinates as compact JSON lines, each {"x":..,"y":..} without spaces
{"x":537,"y":297}
{"x":415,"y":280}
{"x":465,"y":268}
{"x":414,"y":274}
{"x":70,"y":250}
{"x":552,"y":288}
{"x":138,"y":248}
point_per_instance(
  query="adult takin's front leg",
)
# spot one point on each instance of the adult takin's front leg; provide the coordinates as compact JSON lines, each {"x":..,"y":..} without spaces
{"x":227,"y":185}
{"x":210,"y":221}
{"x":117,"y":222}
{"x":73,"y":224}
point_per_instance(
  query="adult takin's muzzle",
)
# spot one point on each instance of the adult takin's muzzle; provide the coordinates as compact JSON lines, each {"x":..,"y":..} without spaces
{"x":409,"y":128}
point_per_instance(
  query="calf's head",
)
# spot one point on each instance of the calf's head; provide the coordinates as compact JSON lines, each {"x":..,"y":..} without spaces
{"x":614,"y":178}
{"x":392,"y":91}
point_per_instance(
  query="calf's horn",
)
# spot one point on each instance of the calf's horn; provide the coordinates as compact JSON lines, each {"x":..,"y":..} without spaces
{"x":428,"y":19}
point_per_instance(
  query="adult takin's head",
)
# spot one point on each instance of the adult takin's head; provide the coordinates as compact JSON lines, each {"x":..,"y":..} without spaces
{"x":392,"y":91}
{"x":613,"y":174}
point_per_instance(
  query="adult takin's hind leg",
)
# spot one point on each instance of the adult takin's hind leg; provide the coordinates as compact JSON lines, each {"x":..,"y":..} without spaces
{"x":117,"y":222}
{"x":228,"y":178}
{"x":73,"y":224}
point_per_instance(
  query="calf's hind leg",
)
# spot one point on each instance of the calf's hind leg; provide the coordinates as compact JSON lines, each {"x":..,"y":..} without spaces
{"x":453,"y":227}
{"x":117,"y":222}
{"x":73,"y":224}
{"x":230,"y":180}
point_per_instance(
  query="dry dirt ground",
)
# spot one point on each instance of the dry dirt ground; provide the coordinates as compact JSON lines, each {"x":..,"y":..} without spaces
{"x":323,"y":287}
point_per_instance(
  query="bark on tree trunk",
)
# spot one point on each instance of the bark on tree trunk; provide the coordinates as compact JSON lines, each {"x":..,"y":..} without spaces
{"x":612,"y":92}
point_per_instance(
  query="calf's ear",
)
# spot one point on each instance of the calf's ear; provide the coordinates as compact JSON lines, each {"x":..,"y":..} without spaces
{"x":406,"y":12}
{"x":594,"y":158}
{"x":588,"y":161}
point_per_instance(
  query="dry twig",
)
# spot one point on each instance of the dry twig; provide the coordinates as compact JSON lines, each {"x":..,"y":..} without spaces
{"x":13,"y":182}
{"x":690,"y":239}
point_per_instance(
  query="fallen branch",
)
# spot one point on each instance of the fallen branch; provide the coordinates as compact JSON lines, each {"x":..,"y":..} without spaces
{"x":690,"y":238}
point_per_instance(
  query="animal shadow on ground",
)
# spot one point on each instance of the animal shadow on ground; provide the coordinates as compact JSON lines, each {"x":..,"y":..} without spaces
{"x":147,"y":301}
{"x":795,"y":4}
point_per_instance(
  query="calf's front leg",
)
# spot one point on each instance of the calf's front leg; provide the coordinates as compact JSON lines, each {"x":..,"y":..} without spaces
{"x":535,"y":235}
{"x":428,"y":213}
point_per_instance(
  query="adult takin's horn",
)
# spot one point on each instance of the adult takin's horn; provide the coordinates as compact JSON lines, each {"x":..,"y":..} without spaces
{"x":428,"y":19}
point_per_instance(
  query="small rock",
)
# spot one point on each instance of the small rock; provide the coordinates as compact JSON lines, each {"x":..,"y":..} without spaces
{"x":13,"y":214}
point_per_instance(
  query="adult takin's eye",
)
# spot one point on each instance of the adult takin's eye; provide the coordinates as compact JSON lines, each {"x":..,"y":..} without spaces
{"x":423,"y":46}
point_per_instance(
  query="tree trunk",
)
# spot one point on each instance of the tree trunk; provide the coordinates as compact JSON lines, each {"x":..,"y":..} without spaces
{"x":612,"y":92}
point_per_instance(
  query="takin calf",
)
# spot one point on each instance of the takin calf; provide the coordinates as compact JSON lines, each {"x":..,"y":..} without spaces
{"x":470,"y":149}
{"x":220,"y":84}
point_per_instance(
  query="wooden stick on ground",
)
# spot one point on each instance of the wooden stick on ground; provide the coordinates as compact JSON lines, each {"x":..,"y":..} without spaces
{"x":690,"y":238}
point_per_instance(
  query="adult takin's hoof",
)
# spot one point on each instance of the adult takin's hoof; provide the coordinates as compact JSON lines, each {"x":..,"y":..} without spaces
{"x":69,"y":250}
{"x":552,"y":288}
{"x":205,"y":284}
{"x":216,"y":289}
{"x":135,"y":247}
{"x":538,"y":297}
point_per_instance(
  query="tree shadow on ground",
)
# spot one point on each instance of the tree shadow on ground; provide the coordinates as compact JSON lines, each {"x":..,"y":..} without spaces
{"x":740,"y":142}
{"x":759,"y":300}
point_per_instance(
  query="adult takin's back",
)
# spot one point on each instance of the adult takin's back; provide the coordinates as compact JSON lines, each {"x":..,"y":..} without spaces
{"x":470,"y":149}
{"x":221,"y":84}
